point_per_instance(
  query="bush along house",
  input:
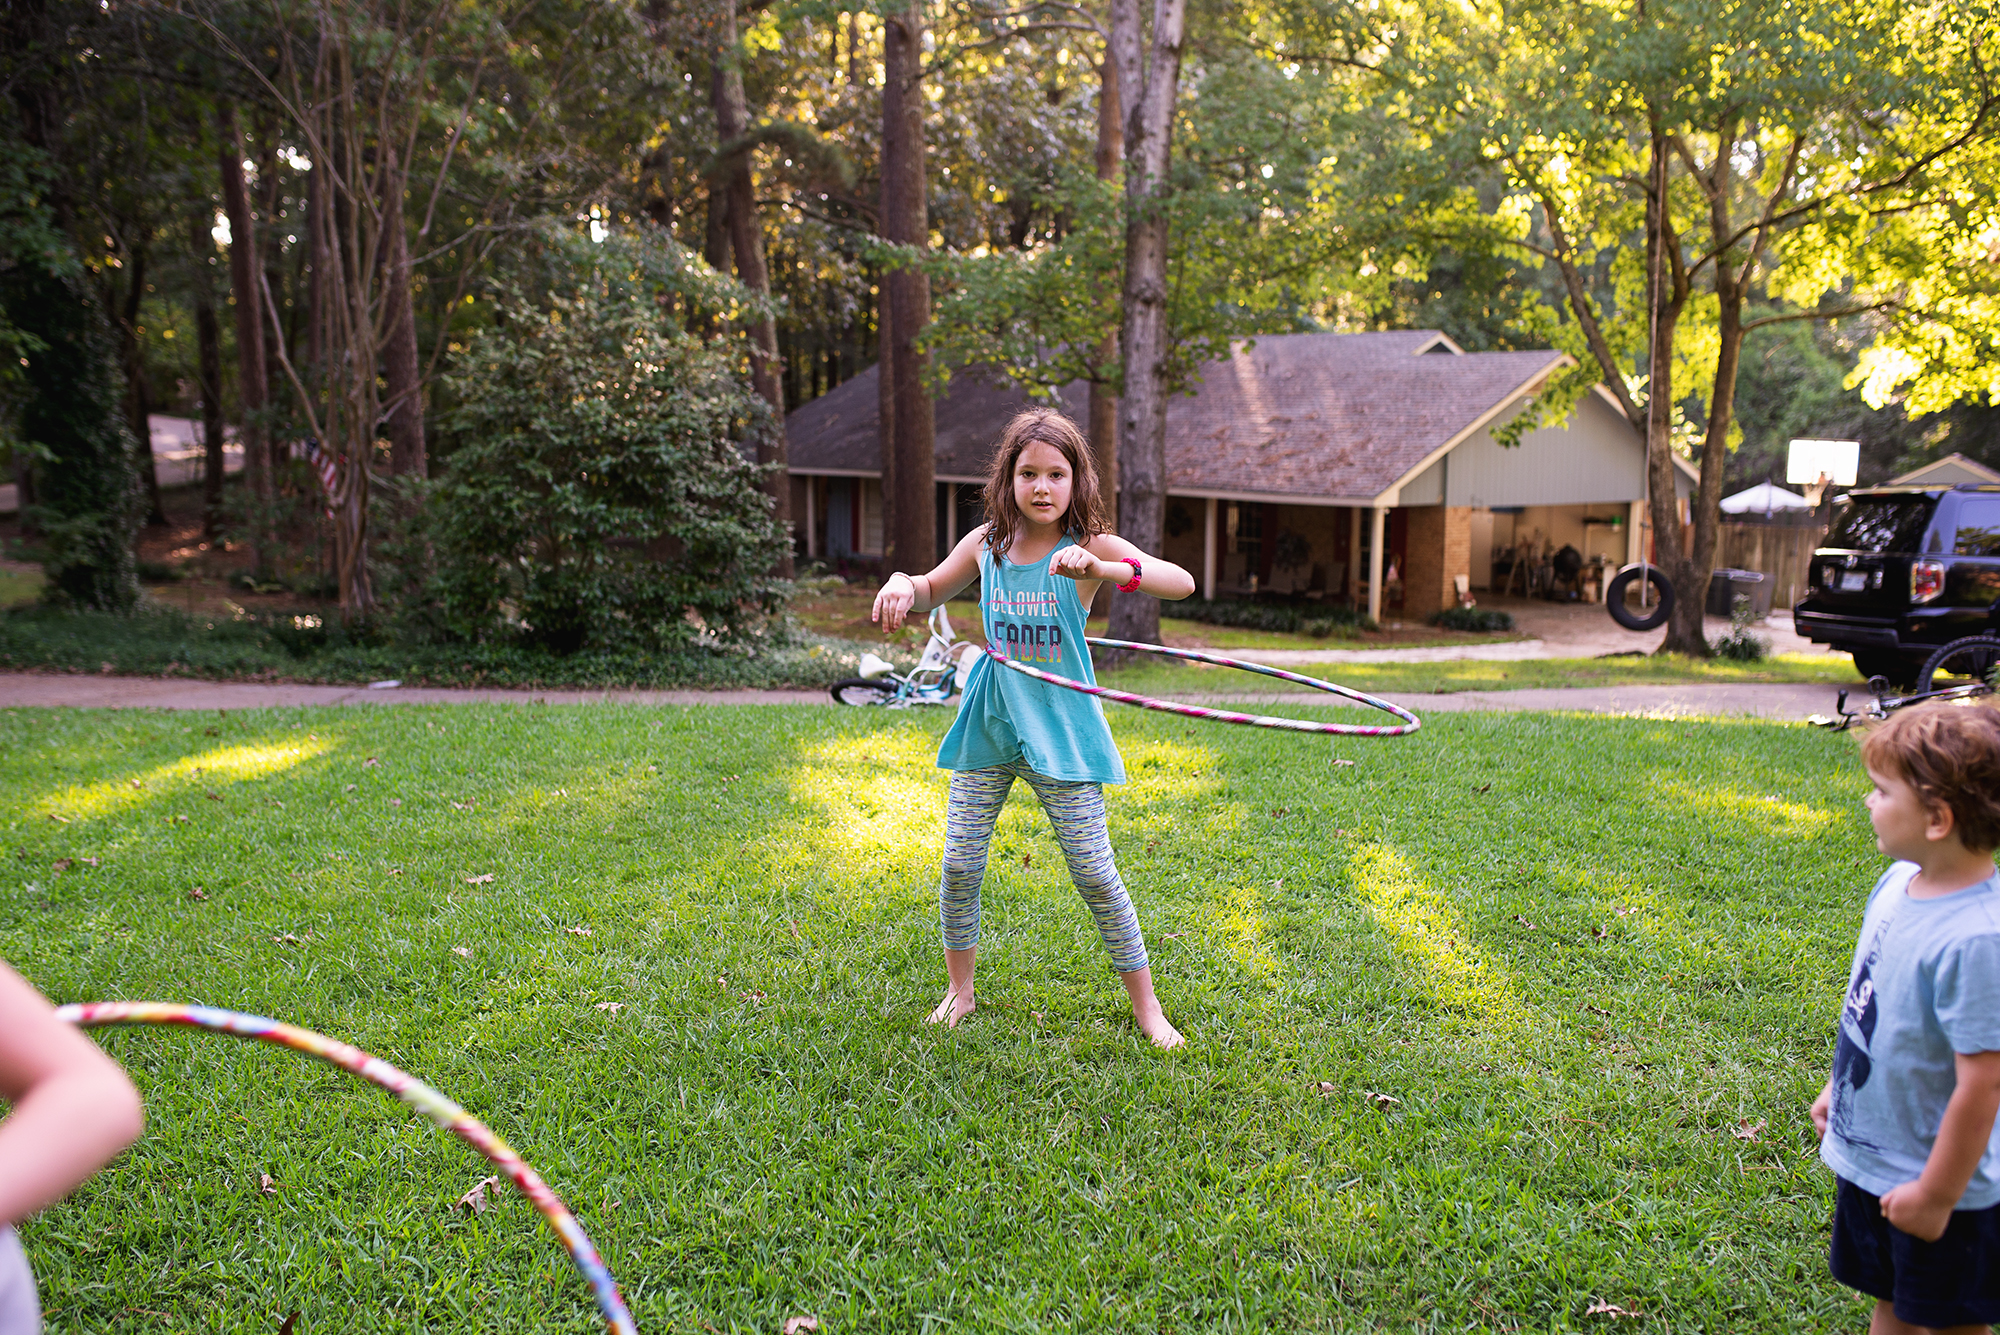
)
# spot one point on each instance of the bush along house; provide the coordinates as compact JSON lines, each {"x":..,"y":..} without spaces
{"x":1350,"y":468}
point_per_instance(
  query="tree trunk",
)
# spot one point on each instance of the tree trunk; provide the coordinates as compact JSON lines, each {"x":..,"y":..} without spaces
{"x":317,"y":232}
{"x":250,"y":372}
{"x":1103,"y":403}
{"x":208,"y":352}
{"x":402,"y":374}
{"x":138,"y":404}
{"x":1684,"y":628}
{"x":1103,"y":424}
{"x":732,"y":118}
{"x":910,"y":496}
{"x":1151,"y":90}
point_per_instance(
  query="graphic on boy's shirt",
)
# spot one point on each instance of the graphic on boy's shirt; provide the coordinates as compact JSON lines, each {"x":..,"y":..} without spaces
{"x":1023,"y":639}
{"x":1851,"y":1063}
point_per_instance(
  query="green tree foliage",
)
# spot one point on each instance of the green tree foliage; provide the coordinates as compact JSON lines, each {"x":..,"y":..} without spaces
{"x":87,"y":493}
{"x":598,"y":494}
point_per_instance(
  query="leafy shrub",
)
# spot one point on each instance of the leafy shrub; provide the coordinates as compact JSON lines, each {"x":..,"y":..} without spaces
{"x":1473,"y":619}
{"x":596,"y":491}
{"x":157,"y":640}
{"x":1287,"y":618}
{"x":1741,"y":644}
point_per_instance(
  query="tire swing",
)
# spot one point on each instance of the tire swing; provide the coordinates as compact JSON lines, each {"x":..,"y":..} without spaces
{"x":1630,"y":619}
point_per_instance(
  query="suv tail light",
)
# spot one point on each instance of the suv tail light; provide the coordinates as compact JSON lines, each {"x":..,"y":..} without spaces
{"x":1926,"y":580}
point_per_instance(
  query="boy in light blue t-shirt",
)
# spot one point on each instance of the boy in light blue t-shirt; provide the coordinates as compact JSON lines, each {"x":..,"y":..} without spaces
{"x":1907,"y":1121}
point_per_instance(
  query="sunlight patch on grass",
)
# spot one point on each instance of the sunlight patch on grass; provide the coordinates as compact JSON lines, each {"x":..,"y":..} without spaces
{"x":1763,"y":812}
{"x":1426,"y":930}
{"x":1162,"y":771}
{"x":879,"y":801}
{"x":1240,"y":914}
{"x":224,"y":764}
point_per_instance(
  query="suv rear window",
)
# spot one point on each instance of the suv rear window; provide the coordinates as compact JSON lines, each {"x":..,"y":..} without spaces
{"x":1881,"y":523}
{"x":1978,"y":526}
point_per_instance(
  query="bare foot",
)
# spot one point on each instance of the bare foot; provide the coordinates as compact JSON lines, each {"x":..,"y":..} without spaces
{"x":1154,"y":1025}
{"x":956,"y":1007}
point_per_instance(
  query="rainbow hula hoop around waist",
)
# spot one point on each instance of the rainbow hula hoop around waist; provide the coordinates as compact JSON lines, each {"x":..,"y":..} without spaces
{"x":414,"y":1092}
{"x":1409,"y":724}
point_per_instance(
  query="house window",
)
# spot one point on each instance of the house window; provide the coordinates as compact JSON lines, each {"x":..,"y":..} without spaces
{"x":869,"y":530}
{"x":1246,"y":527}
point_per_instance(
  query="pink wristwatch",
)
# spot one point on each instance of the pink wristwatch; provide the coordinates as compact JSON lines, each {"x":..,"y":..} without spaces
{"x":1132,"y":587}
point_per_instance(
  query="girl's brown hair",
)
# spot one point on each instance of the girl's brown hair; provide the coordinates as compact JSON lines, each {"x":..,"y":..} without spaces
{"x":1084,"y":519}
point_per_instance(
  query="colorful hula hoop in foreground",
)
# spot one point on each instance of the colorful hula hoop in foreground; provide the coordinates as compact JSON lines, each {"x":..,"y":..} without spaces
{"x":1409,"y":724}
{"x":404,"y":1086}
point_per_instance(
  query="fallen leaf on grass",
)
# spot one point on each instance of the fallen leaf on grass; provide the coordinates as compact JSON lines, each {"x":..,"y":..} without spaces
{"x":266,"y":1185}
{"x":462,"y":951}
{"x":751,"y":996}
{"x":288,"y":939}
{"x":370,"y":763}
{"x":350,"y":788}
{"x":1326,"y":1087}
{"x":64,"y":820}
{"x":395,"y":871}
{"x":1747,"y":1130}
{"x":217,"y":797}
{"x":177,"y":820}
{"x":88,"y":862}
{"x":1622,"y":912}
{"x":1598,"y":933}
{"x":1607,"y":1309}
{"x":574,"y":931}
{"x":1027,"y":858}
{"x":1174,"y":936}
{"x":135,"y":783}
{"x":61,"y":865}
{"x":475,"y":1200}
{"x":473,"y":805}
{"x":1343,"y":762}
{"x":1486,"y":787}
{"x":1525,"y":923}
{"x":197,"y":893}
{"x":611,"y":1007}
{"x":481,"y":879}
{"x":285,"y":1326}
{"x":395,"y":801}
{"x":800,"y":1325}
{"x":1381,"y":1101}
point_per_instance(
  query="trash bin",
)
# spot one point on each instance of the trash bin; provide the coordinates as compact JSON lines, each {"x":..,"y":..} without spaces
{"x":1726,"y":583}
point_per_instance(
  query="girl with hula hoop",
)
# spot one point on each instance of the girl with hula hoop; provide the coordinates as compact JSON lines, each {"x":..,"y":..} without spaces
{"x":1039,"y":560}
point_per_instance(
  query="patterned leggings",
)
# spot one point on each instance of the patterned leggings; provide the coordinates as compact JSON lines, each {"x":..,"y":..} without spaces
{"x":1076,"y":811}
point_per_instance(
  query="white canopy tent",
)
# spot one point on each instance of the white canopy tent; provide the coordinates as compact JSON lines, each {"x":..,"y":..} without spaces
{"x":1763,"y":499}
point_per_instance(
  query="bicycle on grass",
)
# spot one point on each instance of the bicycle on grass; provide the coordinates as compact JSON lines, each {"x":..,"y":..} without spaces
{"x":936,"y":679}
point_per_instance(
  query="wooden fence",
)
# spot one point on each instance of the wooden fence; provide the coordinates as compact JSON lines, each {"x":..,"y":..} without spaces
{"x":1780,"y":551}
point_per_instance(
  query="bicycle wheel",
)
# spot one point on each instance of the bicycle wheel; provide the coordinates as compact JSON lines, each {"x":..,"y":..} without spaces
{"x":1964,"y":662}
{"x":862,"y":691}
{"x":1631,"y":618}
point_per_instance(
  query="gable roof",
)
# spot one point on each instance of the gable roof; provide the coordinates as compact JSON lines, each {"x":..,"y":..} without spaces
{"x":1945,"y":472}
{"x":1346,"y":416}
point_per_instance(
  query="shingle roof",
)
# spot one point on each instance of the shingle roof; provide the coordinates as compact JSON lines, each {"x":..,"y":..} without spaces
{"x":1333,"y":415}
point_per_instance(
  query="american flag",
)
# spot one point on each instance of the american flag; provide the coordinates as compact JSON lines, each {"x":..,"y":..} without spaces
{"x":322,"y":463}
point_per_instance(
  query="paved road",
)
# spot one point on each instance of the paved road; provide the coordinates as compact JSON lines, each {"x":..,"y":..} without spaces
{"x":18,"y":690}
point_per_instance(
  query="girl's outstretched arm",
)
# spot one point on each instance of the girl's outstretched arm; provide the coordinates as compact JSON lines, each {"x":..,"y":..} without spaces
{"x":903,"y":594}
{"x":1103,"y":559}
{"x":74,"y":1108}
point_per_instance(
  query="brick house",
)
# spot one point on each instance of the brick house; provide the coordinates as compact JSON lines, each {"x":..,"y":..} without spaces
{"x":1346,"y":467}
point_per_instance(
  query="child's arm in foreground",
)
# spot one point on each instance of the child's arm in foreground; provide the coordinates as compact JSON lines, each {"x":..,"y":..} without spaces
{"x":903,"y":594}
{"x":73,"y":1108}
{"x":1922,"y":1208}
{"x":1104,"y":559}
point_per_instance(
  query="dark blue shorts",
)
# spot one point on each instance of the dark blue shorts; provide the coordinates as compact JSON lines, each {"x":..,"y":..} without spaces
{"x":1954,"y":1281}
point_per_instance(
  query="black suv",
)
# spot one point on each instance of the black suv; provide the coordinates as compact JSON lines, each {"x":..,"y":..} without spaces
{"x":1904,"y":572}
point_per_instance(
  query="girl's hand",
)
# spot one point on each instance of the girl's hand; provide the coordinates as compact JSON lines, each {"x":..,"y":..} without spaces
{"x":894,"y":602}
{"x":1077,"y":564}
{"x":1915,"y":1211}
{"x":1821,"y":1106}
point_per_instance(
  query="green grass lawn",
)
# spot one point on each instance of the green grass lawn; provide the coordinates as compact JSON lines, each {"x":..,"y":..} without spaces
{"x":1591,"y":964}
{"x":1194,"y":680}
{"x":19,"y":585}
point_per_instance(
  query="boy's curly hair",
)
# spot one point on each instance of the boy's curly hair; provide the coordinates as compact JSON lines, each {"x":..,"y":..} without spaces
{"x":1951,"y":755}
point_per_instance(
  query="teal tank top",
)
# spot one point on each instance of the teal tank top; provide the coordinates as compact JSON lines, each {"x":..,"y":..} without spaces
{"x":1036,"y":618}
